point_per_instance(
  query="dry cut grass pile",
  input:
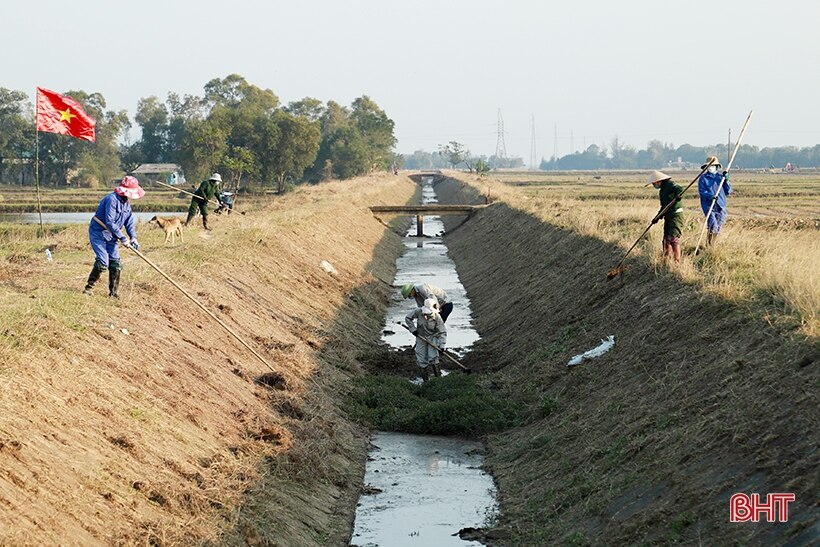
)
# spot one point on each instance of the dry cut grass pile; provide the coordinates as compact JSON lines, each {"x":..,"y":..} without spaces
{"x":142,"y":422}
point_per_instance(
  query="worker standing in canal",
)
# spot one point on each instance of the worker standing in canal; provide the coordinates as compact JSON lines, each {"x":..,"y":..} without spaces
{"x":673,"y":219}
{"x":427,"y":326}
{"x":208,"y":190}
{"x":422,"y":292}
{"x":708,"y":184}
{"x":105,"y":233}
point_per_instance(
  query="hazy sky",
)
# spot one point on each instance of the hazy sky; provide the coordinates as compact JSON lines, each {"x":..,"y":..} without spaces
{"x":642,"y":69}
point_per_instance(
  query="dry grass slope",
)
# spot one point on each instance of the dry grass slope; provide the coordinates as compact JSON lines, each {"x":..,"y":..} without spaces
{"x":705,"y":394}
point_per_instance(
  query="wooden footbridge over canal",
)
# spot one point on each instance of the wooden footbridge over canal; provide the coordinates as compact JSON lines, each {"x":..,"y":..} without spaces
{"x":421,"y":210}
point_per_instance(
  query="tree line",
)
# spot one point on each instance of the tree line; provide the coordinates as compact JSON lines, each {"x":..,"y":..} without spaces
{"x":454,"y":155}
{"x":235,"y":128}
{"x":658,"y":154}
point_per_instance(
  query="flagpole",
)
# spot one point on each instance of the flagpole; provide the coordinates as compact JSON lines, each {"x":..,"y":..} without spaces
{"x":41,"y":232}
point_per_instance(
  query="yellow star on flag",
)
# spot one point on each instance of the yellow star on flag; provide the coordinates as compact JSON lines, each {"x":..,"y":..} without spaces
{"x":66,"y":115}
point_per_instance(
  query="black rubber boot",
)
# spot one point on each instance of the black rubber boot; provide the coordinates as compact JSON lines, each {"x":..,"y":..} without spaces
{"x":425,"y":374}
{"x":114,"y":279}
{"x":94,"y":276}
{"x":205,"y":222}
{"x":188,"y":220}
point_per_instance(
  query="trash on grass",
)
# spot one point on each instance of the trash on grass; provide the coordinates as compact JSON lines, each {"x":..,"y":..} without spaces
{"x":597,"y":351}
{"x":328,"y":267}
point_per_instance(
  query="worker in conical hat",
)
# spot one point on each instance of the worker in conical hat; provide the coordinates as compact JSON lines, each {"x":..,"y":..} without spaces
{"x":673,"y":219}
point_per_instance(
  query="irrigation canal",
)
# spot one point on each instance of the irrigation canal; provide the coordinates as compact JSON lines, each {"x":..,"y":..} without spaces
{"x":421,"y":490}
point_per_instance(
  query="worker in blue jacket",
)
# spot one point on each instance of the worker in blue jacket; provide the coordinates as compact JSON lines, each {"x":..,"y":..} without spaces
{"x":106,"y":233}
{"x":708,"y":184}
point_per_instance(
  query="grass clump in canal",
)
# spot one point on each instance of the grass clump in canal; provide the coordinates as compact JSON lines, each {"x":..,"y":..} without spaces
{"x":451,"y":405}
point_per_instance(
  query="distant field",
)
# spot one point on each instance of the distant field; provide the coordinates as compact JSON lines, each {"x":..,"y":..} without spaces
{"x":755,"y":195}
{"x":23,"y":199}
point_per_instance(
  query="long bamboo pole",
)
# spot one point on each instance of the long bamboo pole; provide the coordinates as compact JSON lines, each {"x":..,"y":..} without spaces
{"x":617,"y":270}
{"x":184,"y":192}
{"x":194,"y":300}
{"x":723,"y":179}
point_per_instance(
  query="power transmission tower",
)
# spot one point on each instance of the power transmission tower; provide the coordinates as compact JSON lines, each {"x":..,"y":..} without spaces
{"x":532,"y":146}
{"x":500,"y":145}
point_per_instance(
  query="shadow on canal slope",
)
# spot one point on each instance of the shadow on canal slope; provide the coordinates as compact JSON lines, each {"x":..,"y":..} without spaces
{"x":699,"y":399}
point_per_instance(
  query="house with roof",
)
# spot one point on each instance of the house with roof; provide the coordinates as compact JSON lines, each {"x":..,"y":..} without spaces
{"x":169,"y":173}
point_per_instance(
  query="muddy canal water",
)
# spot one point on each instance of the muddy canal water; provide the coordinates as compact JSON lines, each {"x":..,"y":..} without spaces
{"x":421,"y":490}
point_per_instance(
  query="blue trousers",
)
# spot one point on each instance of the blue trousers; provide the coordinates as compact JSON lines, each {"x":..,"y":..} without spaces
{"x":716,"y":220}
{"x":105,"y":251}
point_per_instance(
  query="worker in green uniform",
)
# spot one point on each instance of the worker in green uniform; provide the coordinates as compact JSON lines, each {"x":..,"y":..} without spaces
{"x":673,"y":219}
{"x":208,"y":190}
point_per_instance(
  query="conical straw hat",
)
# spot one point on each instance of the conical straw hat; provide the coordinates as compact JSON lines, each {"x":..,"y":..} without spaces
{"x":655,"y":177}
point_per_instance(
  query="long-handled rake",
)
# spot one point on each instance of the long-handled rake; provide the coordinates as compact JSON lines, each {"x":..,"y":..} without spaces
{"x":443,"y":352}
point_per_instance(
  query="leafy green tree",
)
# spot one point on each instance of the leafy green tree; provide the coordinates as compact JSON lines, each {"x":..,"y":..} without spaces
{"x":239,"y":161}
{"x":181,"y":111}
{"x":348,"y":152}
{"x":376,"y":129}
{"x":482,"y":167}
{"x":152,"y":117}
{"x":16,"y":136}
{"x":310,"y":108}
{"x":298,"y":145}
{"x":203,"y":146}
{"x":454,"y":152}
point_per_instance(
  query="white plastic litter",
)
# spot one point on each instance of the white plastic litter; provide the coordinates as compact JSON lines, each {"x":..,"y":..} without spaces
{"x":328,"y":267}
{"x":124,"y":331}
{"x":597,"y":351}
{"x":48,"y":255}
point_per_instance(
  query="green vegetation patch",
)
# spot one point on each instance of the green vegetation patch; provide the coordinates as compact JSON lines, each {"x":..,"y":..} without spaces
{"x":452,"y":405}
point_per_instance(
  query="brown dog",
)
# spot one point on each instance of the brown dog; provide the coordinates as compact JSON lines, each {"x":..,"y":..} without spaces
{"x":172,"y":227}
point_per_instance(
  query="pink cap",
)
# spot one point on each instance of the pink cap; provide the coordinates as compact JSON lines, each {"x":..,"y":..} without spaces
{"x":130,"y":188}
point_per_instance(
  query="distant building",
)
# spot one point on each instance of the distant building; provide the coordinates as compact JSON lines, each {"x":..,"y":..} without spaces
{"x":169,"y":173}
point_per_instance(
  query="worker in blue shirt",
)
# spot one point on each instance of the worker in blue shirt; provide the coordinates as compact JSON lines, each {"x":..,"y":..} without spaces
{"x":106,"y":233}
{"x":708,"y":184}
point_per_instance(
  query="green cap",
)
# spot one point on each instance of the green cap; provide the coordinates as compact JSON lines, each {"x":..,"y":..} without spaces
{"x":406,"y":290}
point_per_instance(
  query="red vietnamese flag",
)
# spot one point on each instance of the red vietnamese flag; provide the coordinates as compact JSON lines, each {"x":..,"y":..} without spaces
{"x":60,"y":114}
